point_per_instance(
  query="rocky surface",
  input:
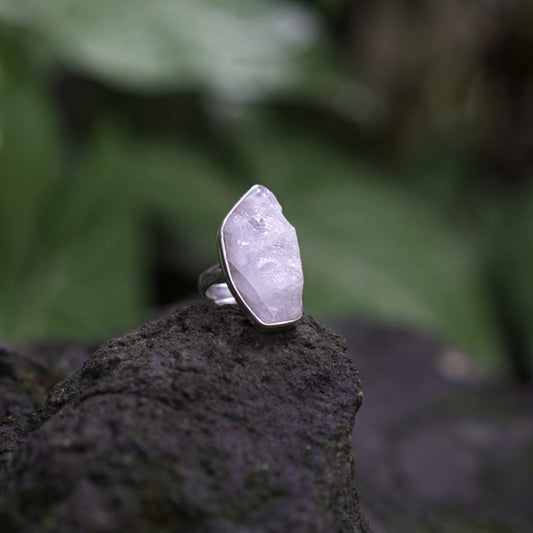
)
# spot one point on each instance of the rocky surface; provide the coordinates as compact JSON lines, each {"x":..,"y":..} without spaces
{"x":440,"y":447}
{"x":194,"y":422}
{"x":26,"y":375}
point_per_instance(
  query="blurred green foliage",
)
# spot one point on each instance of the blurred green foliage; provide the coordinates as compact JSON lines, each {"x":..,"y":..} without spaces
{"x":387,"y":231}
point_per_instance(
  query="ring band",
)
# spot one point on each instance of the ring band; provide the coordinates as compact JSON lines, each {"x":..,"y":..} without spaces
{"x":260,"y":267}
{"x":212,"y":285}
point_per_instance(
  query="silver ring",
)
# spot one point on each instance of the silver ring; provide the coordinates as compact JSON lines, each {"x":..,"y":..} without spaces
{"x":260,"y":267}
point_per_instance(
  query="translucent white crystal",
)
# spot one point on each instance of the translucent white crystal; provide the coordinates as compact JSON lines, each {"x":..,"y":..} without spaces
{"x":262,"y":254}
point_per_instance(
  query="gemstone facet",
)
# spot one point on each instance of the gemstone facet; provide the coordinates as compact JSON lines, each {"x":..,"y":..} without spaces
{"x":261,"y":259}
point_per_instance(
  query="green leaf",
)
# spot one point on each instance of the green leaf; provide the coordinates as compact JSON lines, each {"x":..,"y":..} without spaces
{"x":28,"y":164}
{"x":70,"y":260}
{"x":28,"y":169}
{"x":73,"y":250}
{"x":237,"y":48}
{"x":511,"y":254}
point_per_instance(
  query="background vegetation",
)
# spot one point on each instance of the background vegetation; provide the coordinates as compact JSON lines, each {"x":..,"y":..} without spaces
{"x":398,"y":136}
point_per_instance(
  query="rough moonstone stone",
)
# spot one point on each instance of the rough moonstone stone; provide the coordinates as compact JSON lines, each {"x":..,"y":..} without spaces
{"x":261,"y":252}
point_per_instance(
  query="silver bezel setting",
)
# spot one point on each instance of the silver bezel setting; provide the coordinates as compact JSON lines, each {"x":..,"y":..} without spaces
{"x":265,"y":326}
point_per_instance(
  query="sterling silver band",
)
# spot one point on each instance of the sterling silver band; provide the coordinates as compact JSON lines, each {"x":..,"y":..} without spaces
{"x":212,"y":284}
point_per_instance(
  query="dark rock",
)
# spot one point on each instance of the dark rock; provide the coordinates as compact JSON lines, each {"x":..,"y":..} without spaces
{"x":61,"y":358}
{"x":194,"y":422}
{"x":23,"y":386}
{"x":441,"y":447}
{"x":27,"y":372}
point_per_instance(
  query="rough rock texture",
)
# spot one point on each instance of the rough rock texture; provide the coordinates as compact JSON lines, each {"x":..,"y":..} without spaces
{"x":194,"y":422}
{"x":26,"y":375}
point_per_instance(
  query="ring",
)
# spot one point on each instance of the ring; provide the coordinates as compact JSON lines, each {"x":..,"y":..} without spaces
{"x":260,"y":267}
